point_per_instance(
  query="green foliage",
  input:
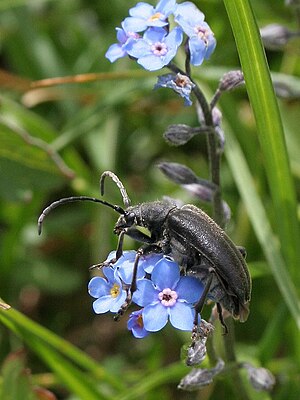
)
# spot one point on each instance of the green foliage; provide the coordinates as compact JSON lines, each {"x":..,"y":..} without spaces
{"x":57,"y":139}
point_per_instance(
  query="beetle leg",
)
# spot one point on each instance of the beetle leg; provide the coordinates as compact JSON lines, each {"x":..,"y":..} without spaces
{"x":199,"y":305}
{"x":219,"y":309}
{"x":139,"y":236}
{"x":132,"y":288}
{"x":119,"y":253}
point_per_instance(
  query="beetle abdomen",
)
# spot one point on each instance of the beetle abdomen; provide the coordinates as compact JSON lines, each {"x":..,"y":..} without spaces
{"x":198,"y":243}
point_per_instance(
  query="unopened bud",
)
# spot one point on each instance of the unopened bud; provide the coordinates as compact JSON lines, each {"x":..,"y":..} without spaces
{"x":198,"y":377}
{"x":178,"y":173}
{"x":260,"y":378}
{"x":180,"y":134}
{"x":204,"y":190}
{"x":275,"y":36}
{"x":288,"y":89}
{"x":196,"y":352}
{"x":231,"y":80}
{"x":293,"y":3}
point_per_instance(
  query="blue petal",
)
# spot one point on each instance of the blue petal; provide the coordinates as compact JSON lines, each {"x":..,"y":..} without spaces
{"x":98,"y":287}
{"x":124,"y":267}
{"x":166,"y":274}
{"x":182,"y":316}
{"x":166,"y":7}
{"x":142,"y":10}
{"x":186,"y":26}
{"x":152,"y":62}
{"x":109,"y":273}
{"x":118,"y":301}
{"x":145,"y":293}
{"x":114,"y":52}
{"x":148,"y":261}
{"x":153,"y":35}
{"x":138,"y":48}
{"x":197,"y":49}
{"x":174,"y":38}
{"x":121,"y":35}
{"x":189,"y":289}
{"x":155,"y":317}
{"x":133,"y":325}
{"x":133,"y":24}
{"x":189,"y":12}
{"x":103,"y":304}
{"x":211,"y":47}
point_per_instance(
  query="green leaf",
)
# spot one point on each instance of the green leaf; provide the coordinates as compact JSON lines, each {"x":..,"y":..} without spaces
{"x":261,"y":225}
{"x":62,"y":357}
{"x":16,"y":381}
{"x":270,"y":131}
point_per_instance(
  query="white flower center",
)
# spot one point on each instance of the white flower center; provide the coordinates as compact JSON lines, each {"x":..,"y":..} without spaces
{"x":168,"y":297}
{"x":202,"y":33}
{"x":159,"y":49}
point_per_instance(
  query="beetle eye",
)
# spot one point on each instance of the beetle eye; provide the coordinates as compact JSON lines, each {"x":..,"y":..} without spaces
{"x":130,"y":218}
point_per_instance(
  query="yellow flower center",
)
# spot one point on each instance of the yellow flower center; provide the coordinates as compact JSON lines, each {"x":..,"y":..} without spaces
{"x":115,"y":290}
{"x":139,"y":321}
{"x":155,"y":16}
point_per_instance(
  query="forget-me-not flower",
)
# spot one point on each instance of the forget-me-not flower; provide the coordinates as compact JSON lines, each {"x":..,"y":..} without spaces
{"x":117,"y":50}
{"x":181,"y":84}
{"x":201,"y":38}
{"x":108,"y":291}
{"x":148,"y":261}
{"x":125,"y":265}
{"x":167,"y":296}
{"x":135,"y":324}
{"x":156,"y":49}
{"x":143,"y":15}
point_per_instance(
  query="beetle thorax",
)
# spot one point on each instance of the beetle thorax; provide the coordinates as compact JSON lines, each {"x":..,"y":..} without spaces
{"x":150,"y":215}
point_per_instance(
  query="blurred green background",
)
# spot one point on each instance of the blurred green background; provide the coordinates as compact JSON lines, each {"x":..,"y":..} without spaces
{"x":56,"y":140}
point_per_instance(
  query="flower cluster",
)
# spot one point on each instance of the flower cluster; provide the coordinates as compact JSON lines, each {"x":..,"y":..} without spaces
{"x":158,"y":45}
{"x":161,"y":291}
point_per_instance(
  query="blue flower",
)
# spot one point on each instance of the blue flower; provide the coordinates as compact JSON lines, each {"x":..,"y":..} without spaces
{"x":135,"y":324}
{"x":124,"y":267}
{"x":148,"y":261}
{"x":108,"y":291}
{"x":201,"y":39}
{"x":144,"y":15}
{"x":181,"y":84}
{"x":156,"y":49}
{"x":167,"y":296}
{"x":117,"y":50}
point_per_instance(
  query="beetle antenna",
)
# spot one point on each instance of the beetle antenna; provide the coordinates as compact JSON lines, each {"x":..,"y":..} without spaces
{"x":65,"y":200}
{"x":125,"y":197}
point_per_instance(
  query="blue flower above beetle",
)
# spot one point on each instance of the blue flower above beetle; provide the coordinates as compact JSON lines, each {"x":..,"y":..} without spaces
{"x":201,"y":40}
{"x":156,"y":49}
{"x":181,"y":84}
{"x":163,"y":293}
{"x":158,"y":46}
{"x":143,"y":15}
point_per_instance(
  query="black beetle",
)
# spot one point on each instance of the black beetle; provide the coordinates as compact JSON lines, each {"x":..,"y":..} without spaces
{"x":191,"y":237}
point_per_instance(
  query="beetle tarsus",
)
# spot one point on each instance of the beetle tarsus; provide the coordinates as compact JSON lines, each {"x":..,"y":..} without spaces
{"x":220,"y":313}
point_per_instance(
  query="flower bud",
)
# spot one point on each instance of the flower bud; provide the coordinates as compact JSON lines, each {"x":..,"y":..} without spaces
{"x":178,"y":173}
{"x":180,"y":134}
{"x":184,"y":176}
{"x":287,"y":89}
{"x":293,"y":3}
{"x":196,"y":352}
{"x":231,"y":80}
{"x":275,"y":36}
{"x":260,"y":378}
{"x":198,"y":377}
